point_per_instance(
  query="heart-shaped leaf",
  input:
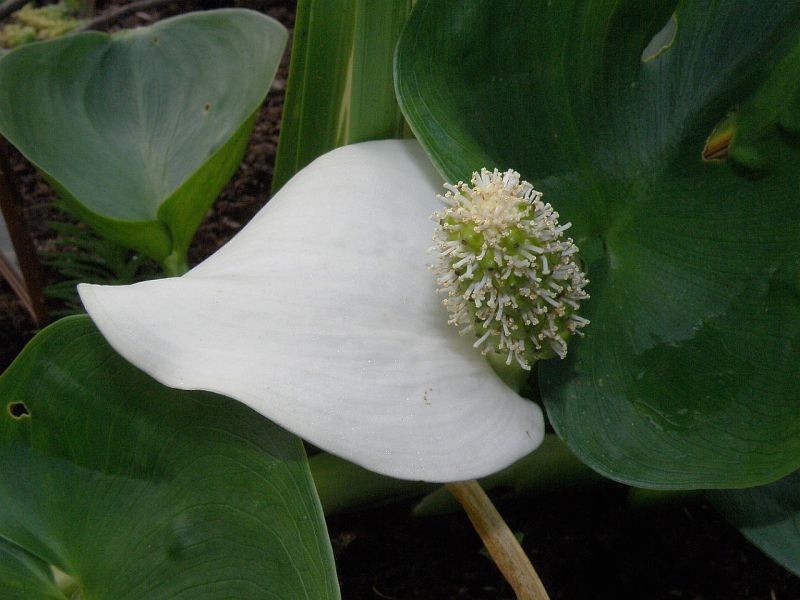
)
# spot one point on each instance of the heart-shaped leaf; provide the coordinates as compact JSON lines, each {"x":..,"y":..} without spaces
{"x":677,"y":163}
{"x":140,"y":131}
{"x":135,"y":490}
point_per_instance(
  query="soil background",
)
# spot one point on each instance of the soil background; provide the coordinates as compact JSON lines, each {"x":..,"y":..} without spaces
{"x":586,"y":545}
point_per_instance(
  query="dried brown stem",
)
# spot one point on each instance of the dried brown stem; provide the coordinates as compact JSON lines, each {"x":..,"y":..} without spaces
{"x":503,"y":547}
{"x":30,"y":286}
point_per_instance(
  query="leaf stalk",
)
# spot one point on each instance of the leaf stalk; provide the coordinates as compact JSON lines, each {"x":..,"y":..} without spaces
{"x":175,"y":264}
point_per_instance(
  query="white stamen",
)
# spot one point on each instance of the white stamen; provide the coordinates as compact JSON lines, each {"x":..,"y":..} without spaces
{"x":513,"y":297}
{"x":482,"y":339}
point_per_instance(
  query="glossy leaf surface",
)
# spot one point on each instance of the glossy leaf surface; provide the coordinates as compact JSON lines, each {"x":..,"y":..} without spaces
{"x":141,"y":130}
{"x":687,"y":376}
{"x":140,"y":491}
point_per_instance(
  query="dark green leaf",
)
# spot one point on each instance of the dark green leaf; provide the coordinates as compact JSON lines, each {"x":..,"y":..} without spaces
{"x":25,"y":577}
{"x":687,"y":376}
{"x":139,"y":491}
{"x":769,"y":516}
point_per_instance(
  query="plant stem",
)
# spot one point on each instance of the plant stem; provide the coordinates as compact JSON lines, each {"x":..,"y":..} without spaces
{"x":551,"y":467}
{"x":503,"y":547}
{"x":175,"y":264}
{"x":29,"y":287}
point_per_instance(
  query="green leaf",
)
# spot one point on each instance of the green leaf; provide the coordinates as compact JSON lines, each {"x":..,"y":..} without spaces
{"x":140,"y":131}
{"x":25,"y":577}
{"x":340,"y":88}
{"x":687,"y":376}
{"x":136,"y":490}
{"x":769,"y":516}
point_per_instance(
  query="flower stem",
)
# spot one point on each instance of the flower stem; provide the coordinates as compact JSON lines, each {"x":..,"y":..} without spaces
{"x":175,"y":264}
{"x":503,"y":547}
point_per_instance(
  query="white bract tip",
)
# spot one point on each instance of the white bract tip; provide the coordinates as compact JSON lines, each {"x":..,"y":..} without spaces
{"x":507,"y":272}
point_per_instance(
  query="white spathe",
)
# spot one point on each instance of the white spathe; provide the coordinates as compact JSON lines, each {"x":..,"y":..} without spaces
{"x":322,"y":315}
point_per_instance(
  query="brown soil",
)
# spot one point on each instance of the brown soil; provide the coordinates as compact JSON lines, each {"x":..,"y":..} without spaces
{"x":587,"y":546}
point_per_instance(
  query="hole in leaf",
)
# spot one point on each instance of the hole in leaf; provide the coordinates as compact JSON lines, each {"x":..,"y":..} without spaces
{"x":662,"y":41}
{"x":18,"y":410}
{"x":717,"y":144}
{"x":207,"y":107}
